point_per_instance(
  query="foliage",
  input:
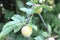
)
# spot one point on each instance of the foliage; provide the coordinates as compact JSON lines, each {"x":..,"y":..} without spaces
{"x":45,"y":24}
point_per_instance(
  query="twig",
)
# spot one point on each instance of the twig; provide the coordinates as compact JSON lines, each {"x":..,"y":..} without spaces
{"x":43,"y":20}
{"x":31,"y":18}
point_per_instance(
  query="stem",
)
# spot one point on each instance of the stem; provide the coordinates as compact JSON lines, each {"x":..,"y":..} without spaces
{"x":28,"y":38}
{"x":31,"y":19}
{"x":43,"y":21}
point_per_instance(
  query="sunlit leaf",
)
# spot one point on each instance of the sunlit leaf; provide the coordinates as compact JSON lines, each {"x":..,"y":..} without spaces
{"x":28,"y":11}
{"x":24,"y":9}
{"x":29,"y":3}
{"x":18,"y":18}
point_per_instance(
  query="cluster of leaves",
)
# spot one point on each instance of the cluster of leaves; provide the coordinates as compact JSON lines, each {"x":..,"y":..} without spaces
{"x":12,"y":28}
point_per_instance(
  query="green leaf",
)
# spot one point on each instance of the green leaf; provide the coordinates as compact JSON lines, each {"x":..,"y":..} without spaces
{"x":28,"y":11}
{"x":57,"y":30}
{"x":24,"y":9}
{"x":23,"y":19}
{"x":8,"y":14}
{"x":7,"y":28}
{"x":39,"y":38}
{"x":16,"y":29}
{"x":10,"y":36}
{"x":19,"y":3}
{"x":29,"y":3}
{"x":45,"y":34}
{"x":41,"y":6}
{"x":1,"y":24}
{"x":6,"y":31}
{"x":19,"y":37}
{"x":18,"y":18}
{"x":49,"y":29}
{"x":35,"y":27}
{"x":34,"y":1}
{"x":7,"y":25}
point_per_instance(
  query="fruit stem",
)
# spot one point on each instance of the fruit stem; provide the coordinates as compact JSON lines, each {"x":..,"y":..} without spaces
{"x":28,"y":38}
{"x":31,"y":19}
{"x":43,"y":21}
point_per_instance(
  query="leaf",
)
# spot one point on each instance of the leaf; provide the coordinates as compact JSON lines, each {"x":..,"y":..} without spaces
{"x":18,"y":18}
{"x":8,"y":14}
{"x":41,"y":6}
{"x":7,"y":25}
{"x":19,"y":3}
{"x":45,"y":34}
{"x":16,"y":29}
{"x":10,"y":36}
{"x":34,"y":1}
{"x":29,"y":3}
{"x":24,"y":9}
{"x":7,"y":28}
{"x":28,"y":11}
{"x":6,"y":31}
{"x":49,"y":29}
{"x":57,"y":30}
{"x":19,"y":37}
{"x":23,"y":19}
{"x":35,"y":27}
{"x":39,"y":38}
{"x":1,"y":24}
